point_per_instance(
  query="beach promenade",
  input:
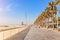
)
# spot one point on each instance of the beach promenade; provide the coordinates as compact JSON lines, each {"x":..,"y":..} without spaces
{"x":20,"y":35}
{"x":36,"y":33}
{"x":13,"y":33}
{"x":30,"y":33}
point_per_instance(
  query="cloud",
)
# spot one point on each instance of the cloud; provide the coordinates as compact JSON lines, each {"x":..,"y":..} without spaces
{"x":1,"y":0}
{"x":1,"y":9}
{"x":6,"y":8}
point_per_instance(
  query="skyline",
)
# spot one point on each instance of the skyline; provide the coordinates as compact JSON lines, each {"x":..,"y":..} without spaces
{"x":12,"y":12}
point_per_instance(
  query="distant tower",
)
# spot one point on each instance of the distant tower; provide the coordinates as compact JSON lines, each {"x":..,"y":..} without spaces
{"x":22,"y":23}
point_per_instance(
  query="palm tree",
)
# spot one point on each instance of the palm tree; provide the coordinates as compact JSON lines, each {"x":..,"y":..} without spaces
{"x":58,"y":2}
{"x":53,"y":11}
{"x":50,"y":11}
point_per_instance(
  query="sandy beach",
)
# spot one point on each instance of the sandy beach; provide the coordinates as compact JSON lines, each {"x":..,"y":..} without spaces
{"x":19,"y":36}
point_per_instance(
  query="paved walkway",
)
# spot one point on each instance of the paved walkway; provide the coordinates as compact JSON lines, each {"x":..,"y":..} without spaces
{"x":19,"y":36}
{"x":42,"y":34}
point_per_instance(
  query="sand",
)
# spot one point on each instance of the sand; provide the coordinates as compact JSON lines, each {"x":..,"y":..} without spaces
{"x":19,"y":36}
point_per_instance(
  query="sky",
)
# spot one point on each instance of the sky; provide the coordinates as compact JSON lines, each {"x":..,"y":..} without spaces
{"x":14,"y":12}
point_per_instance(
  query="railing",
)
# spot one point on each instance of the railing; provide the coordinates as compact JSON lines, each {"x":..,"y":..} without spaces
{"x":10,"y":31}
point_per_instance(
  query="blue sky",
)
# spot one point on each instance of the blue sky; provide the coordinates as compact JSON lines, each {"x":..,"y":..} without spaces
{"x":12,"y":12}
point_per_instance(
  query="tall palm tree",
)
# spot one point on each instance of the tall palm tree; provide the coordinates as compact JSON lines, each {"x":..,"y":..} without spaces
{"x":53,"y":11}
{"x":49,"y":12}
{"x":38,"y":19}
{"x":58,"y":2}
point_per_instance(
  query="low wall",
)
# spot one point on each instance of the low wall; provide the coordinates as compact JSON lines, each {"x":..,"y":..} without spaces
{"x":6,"y":33}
